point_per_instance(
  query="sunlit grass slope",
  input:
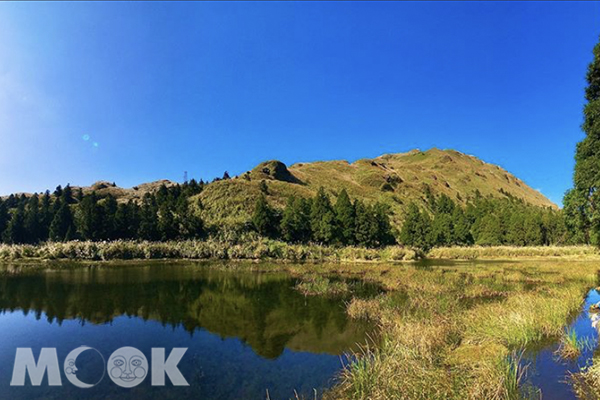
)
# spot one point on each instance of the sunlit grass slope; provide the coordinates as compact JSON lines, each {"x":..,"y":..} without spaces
{"x":394,"y":179}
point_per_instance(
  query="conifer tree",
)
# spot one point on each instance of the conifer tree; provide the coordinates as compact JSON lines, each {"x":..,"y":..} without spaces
{"x":429,"y":197}
{"x":167,"y":226}
{"x":295,"y":221}
{"x":33,"y":220}
{"x":584,"y":202}
{"x":88,"y":217}
{"x":322,"y":219}
{"x":107,"y":212}
{"x":148,"y":226}
{"x":489,"y":231}
{"x":4,"y":217}
{"x":345,"y":218}
{"x":45,"y":216}
{"x":263,"y":217}
{"x":366,"y":226}
{"x":515,"y":234}
{"x":122,"y":222}
{"x":416,"y":228}
{"x":67,"y":194}
{"x":461,"y":227}
{"x":442,"y":230}
{"x":534,"y":235}
{"x":444,"y":205}
{"x":382,"y":221}
{"x":15,"y":231}
{"x":62,"y":226}
{"x":189,"y":224}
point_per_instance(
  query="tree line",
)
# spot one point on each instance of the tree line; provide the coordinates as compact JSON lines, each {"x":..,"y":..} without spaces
{"x":484,"y":221}
{"x":318,"y":220}
{"x":67,"y":215}
{"x":168,"y":214}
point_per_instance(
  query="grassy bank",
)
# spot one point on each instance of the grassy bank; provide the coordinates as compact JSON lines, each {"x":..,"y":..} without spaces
{"x":458,"y":332}
{"x":257,"y":248}
{"x":512,"y":252}
{"x":252,"y":249}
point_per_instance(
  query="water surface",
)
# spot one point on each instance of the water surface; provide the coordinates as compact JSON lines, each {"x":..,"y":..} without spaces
{"x":246,"y":332}
{"x":550,"y":374}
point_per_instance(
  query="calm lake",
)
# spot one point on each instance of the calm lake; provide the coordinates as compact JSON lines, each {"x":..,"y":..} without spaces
{"x":246,"y":332}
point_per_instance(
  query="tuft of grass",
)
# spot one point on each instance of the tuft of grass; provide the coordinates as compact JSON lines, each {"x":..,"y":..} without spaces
{"x":570,"y":346}
{"x":512,"y":374}
{"x":405,"y":364}
{"x":523,"y":318}
{"x":586,"y":383}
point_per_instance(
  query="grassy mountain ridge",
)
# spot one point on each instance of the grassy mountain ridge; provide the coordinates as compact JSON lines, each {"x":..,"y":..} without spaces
{"x":393,"y":179}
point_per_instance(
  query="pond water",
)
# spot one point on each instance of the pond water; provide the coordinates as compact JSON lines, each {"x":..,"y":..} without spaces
{"x":246,"y":332}
{"x":550,"y":374}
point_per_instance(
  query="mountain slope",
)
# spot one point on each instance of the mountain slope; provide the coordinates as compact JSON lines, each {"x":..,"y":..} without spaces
{"x":394,"y":179}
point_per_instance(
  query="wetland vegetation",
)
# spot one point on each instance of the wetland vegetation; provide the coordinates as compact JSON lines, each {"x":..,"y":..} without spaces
{"x":432,"y":329}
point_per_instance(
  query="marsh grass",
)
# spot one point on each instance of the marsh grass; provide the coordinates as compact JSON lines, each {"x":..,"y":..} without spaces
{"x":250,"y":248}
{"x":458,"y":331}
{"x":511,"y":252}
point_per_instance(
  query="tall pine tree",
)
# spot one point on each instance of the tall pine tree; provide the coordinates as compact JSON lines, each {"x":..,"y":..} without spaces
{"x":584,"y":202}
{"x":345,"y":215}
{"x":263,"y":217}
{"x":323,"y":222}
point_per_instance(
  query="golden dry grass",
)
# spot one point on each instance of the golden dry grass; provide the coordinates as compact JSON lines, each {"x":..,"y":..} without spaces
{"x":458,"y":330}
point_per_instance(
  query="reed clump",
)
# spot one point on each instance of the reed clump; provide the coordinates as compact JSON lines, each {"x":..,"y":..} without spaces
{"x":570,"y":346}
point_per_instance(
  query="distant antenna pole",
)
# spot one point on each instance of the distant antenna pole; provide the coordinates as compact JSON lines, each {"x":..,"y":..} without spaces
{"x":184,"y":176}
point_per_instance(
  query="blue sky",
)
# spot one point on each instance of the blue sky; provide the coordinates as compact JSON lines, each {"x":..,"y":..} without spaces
{"x":134,"y":92}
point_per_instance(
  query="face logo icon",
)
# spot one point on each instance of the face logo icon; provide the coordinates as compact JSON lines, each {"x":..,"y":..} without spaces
{"x":70,"y":367}
{"x":127,"y":367}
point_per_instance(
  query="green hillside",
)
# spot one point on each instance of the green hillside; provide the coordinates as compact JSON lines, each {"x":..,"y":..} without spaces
{"x":393,"y":179}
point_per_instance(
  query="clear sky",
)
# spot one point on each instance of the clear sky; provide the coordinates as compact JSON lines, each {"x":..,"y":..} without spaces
{"x":135,"y":92}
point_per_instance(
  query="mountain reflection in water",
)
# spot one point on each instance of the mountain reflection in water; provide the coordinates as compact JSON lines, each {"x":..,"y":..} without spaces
{"x":263,"y":310}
